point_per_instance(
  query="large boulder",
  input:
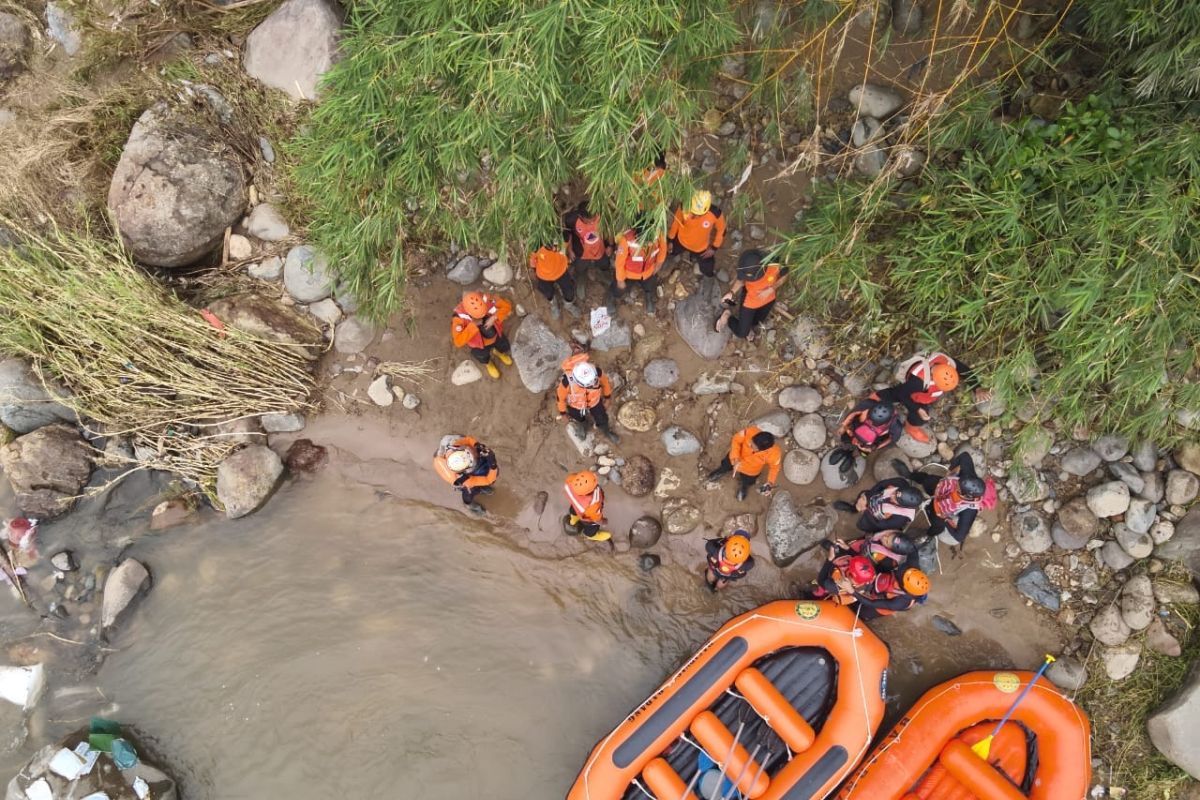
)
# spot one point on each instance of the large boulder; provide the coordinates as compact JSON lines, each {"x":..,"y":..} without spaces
{"x":833,"y":476}
{"x":103,"y":780}
{"x":1184,"y":545}
{"x":694,"y":318}
{"x":47,"y":469}
{"x":680,"y":516}
{"x":175,"y":190}
{"x":661,"y":373}
{"x":645,"y":532}
{"x":1031,"y":532}
{"x":123,"y":585}
{"x":777,"y":423}
{"x":875,"y":101}
{"x":16,"y":44}
{"x":680,"y":442}
{"x":25,"y":403}
{"x":804,"y":399}
{"x":266,"y":318}
{"x":1175,"y":727}
{"x":247,"y":478}
{"x":791,"y":531}
{"x":295,"y":46}
{"x":539,"y":353}
{"x":809,"y":432}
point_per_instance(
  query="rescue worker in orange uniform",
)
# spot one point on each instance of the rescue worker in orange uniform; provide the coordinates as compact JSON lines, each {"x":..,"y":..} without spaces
{"x":926,"y":379}
{"x":752,"y":295}
{"x":751,"y":451}
{"x":582,"y":390}
{"x":467,"y":465}
{"x":588,"y":250}
{"x":728,"y":560}
{"x":639,"y":260}
{"x":586,"y":514}
{"x":550,"y":272}
{"x":478,"y":324}
{"x":698,"y":230}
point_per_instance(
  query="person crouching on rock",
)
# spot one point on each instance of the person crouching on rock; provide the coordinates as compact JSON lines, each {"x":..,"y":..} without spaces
{"x":468,"y":466}
{"x":957,"y":496}
{"x":478,"y":325}
{"x":751,"y":451}
{"x":927,"y":378}
{"x":889,"y":505}
{"x":582,"y":392}
{"x":586,"y":514}
{"x":729,"y":560}
{"x":552,"y":277}
{"x":892,"y":592}
{"x":871,"y":425}
{"x":752,"y":295}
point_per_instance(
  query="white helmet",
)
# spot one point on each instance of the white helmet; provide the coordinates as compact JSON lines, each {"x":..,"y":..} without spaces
{"x":584,"y":373}
{"x":460,"y":460}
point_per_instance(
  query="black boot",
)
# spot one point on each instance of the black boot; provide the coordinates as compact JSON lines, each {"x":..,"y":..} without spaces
{"x":741,"y":492}
{"x":901,"y":468}
{"x":842,"y":505}
{"x":715,"y":475}
{"x":838,"y":455}
{"x":611,"y":435}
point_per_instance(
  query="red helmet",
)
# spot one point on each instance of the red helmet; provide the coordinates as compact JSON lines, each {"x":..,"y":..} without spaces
{"x":860,"y":570}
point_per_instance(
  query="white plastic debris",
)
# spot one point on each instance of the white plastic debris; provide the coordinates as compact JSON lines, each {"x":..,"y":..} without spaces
{"x":22,"y":686}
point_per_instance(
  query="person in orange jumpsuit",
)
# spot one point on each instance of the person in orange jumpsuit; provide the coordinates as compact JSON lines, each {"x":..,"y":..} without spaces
{"x":751,"y":451}
{"x":752,"y":295}
{"x":586,"y":514}
{"x":478,"y":325}
{"x":582,"y":392}
{"x":698,"y":231}
{"x":589,"y":251}
{"x":639,"y":260}
{"x":469,"y":466}
{"x":552,"y":277}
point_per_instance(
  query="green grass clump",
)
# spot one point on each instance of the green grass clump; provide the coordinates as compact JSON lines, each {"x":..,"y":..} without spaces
{"x":1156,"y":43}
{"x":459,"y":121}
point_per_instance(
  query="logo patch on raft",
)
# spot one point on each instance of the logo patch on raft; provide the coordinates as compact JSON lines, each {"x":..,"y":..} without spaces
{"x":808,"y":610}
{"x":1006,"y":682}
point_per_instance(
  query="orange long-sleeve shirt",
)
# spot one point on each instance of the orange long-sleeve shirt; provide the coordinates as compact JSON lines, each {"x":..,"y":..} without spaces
{"x":547,"y":264}
{"x":698,"y":233}
{"x":637,"y":262}
{"x":749,"y":461}
{"x":467,"y":331}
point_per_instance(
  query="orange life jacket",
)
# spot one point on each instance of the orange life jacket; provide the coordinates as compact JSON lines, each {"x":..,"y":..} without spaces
{"x":590,"y":238}
{"x":698,"y":233}
{"x":547,"y":264}
{"x":575,"y":394}
{"x":450,"y":476}
{"x":588,"y":507}
{"x":749,"y":461}
{"x":467,"y":331}
{"x":762,"y":291}
{"x":923,"y":369}
{"x":638,"y":262}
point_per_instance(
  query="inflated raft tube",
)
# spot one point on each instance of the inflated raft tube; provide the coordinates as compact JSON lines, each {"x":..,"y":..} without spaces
{"x":1042,"y":753}
{"x":781,"y":704}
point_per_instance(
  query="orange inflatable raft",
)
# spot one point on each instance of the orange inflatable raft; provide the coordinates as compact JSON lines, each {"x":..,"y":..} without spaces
{"x":780,"y":704}
{"x":1042,"y":753}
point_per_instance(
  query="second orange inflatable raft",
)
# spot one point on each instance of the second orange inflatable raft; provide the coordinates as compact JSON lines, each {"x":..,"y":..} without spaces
{"x":1042,"y":753}
{"x":780,"y":703}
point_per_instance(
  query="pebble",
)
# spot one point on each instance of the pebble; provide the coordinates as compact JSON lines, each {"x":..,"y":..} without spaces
{"x":240,"y":248}
{"x":466,"y":372}
{"x":380,"y":392}
{"x":270,"y":269}
{"x":410,"y":401}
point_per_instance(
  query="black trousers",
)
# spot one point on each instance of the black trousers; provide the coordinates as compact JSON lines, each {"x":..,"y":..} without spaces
{"x":598,"y":269}
{"x":746,"y":319}
{"x":708,"y":265}
{"x":597,"y":412}
{"x":649,"y":287}
{"x":484,"y":354}
{"x":726,"y":466}
{"x":565,"y":285}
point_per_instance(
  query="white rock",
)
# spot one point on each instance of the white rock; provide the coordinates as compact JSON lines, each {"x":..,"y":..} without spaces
{"x":1139,"y":517}
{"x":353,"y":336}
{"x":1109,"y":627}
{"x":282,"y":423}
{"x":804,"y":399}
{"x":1137,"y":545}
{"x":270,"y":269}
{"x":1137,"y":602}
{"x":380,"y":392}
{"x":326,"y":311}
{"x":1182,"y":487}
{"x":914,"y":449}
{"x":466,"y":372}
{"x":240,"y":248}
{"x":22,"y":686}
{"x":306,"y":275}
{"x":295,"y":46}
{"x":875,"y":101}
{"x":500,"y":273}
{"x":801,"y":467}
{"x":1120,"y":662}
{"x":265,"y":223}
{"x":809,"y":432}
{"x":1108,"y":499}
{"x":122,"y":585}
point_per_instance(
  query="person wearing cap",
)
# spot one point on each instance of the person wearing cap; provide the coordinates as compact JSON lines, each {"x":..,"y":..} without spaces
{"x":586,"y":513}
{"x":589,"y":251}
{"x":582,"y":392}
{"x":957,"y":497}
{"x":892,"y":591}
{"x":926,"y":379}
{"x":467,"y":465}
{"x":699,"y":231}
{"x":478,"y":325}
{"x":752,"y":295}
{"x":889,"y":505}
{"x":751,"y":451}
{"x":728,"y":560}
{"x":552,"y":277}
{"x":639,"y":257}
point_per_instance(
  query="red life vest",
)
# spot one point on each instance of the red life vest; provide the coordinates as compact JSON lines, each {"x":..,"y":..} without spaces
{"x":948,"y":501}
{"x":923,"y":369}
{"x":580,"y":505}
{"x":639,"y":259}
{"x":868,"y":433}
{"x":592,"y":243}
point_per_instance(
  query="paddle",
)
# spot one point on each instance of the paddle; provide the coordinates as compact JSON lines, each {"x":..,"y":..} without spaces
{"x":984,"y":746}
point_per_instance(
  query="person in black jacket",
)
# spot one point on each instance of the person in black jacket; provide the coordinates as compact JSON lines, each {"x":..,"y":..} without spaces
{"x":957,"y":496}
{"x":588,"y":249}
{"x":889,"y":505}
{"x":728,"y":560}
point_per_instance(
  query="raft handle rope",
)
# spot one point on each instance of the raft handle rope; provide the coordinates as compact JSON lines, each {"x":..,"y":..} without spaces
{"x":766,"y":721}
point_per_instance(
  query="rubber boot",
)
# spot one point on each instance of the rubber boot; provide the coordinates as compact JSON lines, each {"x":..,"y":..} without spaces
{"x":651,"y":303}
{"x":476,"y":509}
{"x":572,"y":310}
{"x":842,"y":505}
{"x":901,"y":468}
{"x":740,"y":494}
{"x":611,"y":435}
{"x":714,"y":476}
{"x":493,"y":371}
{"x":847,"y":464}
{"x":504,"y":358}
{"x":555,"y":314}
{"x":918,"y":434}
{"x":486,"y":490}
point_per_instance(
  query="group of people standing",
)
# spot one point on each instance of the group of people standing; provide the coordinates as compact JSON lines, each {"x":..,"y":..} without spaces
{"x":879,"y":572}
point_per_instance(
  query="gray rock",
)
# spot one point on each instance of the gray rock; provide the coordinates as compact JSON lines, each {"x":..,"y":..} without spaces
{"x":247,"y":478}
{"x":1175,"y":727}
{"x":1109,"y":626}
{"x":270,"y":269}
{"x":945,"y":626}
{"x":875,"y":101}
{"x":637,"y":476}
{"x":1111,"y":448}
{"x":380,"y":393}
{"x":1145,"y":455}
{"x":1173,"y":593}
{"x":909,"y":160}
{"x":584,"y":439}
{"x":865,"y":129}
{"x":801,"y":467}
{"x":645,"y":532}
{"x":61,"y":26}
{"x":680,"y":442}
{"x":710,"y":383}
{"x":1160,"y":640}
{"x":1080,"y":461}
{"x":266,"y":223}
{"x":680,"y":516}
{"x":175,"y":189}
{"x":994,"y":406}
{"x":856,"y":384}
{"x":16,"y":44}
{"x":282,"y":423}
{"x":1109,"y":499}
{"x":466,"y":372}
{"x":353,"y":335}
{"x":1031,"y":532}
{"x":1152,"y":487}
{"x":661,"y":373}
{"x":804,"y":399}
{"x":466,"y":270}
{"x":914,"y":449}
{"x":1162,"y":531}
{"x":48,"y":469}
{"x":25,"y":403}
{"x":1182,"y":487}
{"x":778,"y":423}
{"x":906,"y":17}
{"x":64,"y":561}
{"x":835,"y":479}
{"x":809,"y":432}
{"x":617,"y":337}
{"x":1139,"y":517}
{"x":121,"y":587}
{"x":1115,"y":557}
{"x":871,"y":160}
{"x":1078,"y":524}
{"x":1188,"y":457}
{"x":1035,"y":445}
{"x":306,"y":275}
{"x":326,"y":311}
{"x":1127,"y":475}
{"x":295,"y":46}
{"x":694,"y":318}
{"x":1137,"y":602}
{"x":539,"y":353}
{"x":500,"y":273}
{"x":790,"y":530}
{"x":1033,"y":584}
{"x":1120,"y":662}
{"x":809,"y":337}
{"x":1027,"y":486}
{"x":1067,"y":673}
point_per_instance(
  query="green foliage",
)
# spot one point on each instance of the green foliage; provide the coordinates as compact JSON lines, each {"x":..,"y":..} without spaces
{"x":459,"y":120}
{"x":1157,"y":42}
{"x":1060,"y":256}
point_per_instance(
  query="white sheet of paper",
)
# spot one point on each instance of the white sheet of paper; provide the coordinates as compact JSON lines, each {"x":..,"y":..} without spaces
{"x":601,"y":321}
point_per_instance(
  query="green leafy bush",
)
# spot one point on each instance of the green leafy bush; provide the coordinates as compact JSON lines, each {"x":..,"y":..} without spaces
{"x":1062,"y":256}
{"x":459,"y":119}
{"x":1156,"y":42}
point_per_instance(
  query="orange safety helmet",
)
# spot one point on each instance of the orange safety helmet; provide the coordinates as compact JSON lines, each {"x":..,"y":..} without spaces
{"x":915,"y":581}
{"x":476,"y":304}
{"x":736,"y":549}
{"x":582,"y":482}
{"x":945,"y":376}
